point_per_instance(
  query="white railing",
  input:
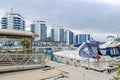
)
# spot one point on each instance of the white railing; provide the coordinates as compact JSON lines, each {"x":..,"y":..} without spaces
{"x":21,"y":59}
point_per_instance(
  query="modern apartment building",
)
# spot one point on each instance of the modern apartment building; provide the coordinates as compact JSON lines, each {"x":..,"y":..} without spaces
{"x":39,"y":28}
{"x":57,"y":34}
{"x":80,"y":38}
{"x":69,"y":37}
{"x":12,"y":21}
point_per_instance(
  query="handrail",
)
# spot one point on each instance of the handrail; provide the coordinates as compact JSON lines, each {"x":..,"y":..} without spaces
{"x":21,"y":59}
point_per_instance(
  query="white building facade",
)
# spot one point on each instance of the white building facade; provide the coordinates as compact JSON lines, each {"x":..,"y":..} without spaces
{"x":39,"y":28}
{"x":57,"y":33}
{"x":13,"y":21}
{"x":69,"y":37}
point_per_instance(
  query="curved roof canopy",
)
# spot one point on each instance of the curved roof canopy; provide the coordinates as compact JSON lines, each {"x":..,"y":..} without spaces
{"x":16,"y":32}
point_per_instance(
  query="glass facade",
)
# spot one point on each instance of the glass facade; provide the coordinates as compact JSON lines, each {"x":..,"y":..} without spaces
{"x":32,"y":29}
{"x":4,"y":23}
{"x":82,"y":38}
{"x":76,"y":39}
{"x":61,"y":35}
{"x":52,"y":34}
{"x":65,"y":36}
{"x":70,"y":37}
{"x":16,"y":23}
{"x":43,"y":32}
{"x":23,"y":25}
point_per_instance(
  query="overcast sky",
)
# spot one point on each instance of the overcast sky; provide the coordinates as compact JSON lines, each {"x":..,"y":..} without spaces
{"x":97,"y":17}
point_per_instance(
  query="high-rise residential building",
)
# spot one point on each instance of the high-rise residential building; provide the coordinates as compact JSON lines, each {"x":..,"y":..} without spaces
{"x":69,"y":37}
{"x":57,"y":33}
{"x":32,"y":29}
{"x":13,"y":21}
{"x":80,"y":38}
{"x":39,"y":28}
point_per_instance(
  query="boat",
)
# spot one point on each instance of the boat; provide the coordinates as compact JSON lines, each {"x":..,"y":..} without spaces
{"x":92,"y":55}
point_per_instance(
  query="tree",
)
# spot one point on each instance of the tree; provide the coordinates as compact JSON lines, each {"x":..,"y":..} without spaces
{"x":118,"y":73}
{"x":25,"y":43}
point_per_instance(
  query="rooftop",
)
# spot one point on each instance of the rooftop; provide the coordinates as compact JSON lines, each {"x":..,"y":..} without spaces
{"x":16,"y":32}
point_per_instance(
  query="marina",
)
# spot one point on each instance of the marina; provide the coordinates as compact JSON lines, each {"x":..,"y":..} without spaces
{"x":60,"y":40}
{"x":17,"y":55}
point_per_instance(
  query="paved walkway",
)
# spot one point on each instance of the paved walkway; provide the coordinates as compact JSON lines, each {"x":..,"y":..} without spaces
{"x":58,"y":72}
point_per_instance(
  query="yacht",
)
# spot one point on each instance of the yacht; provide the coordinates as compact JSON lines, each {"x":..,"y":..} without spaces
{"x":92,"y":55}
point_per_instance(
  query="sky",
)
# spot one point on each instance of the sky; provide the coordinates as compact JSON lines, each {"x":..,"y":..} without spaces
{"x":100,"y":18}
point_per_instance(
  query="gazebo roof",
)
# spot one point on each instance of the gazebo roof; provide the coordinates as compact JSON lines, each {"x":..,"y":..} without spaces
{"x":16,"y":32}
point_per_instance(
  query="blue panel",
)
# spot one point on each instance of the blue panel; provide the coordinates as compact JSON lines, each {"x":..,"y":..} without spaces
{"x":48,"y":48}
{"x":89,"y":46}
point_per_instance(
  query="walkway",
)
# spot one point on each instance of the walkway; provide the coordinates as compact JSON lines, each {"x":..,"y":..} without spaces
{"x":58,"y":71}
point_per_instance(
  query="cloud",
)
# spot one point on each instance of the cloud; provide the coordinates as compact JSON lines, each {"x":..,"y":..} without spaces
{"x":92,"y":16}
{"x":110,"y":2}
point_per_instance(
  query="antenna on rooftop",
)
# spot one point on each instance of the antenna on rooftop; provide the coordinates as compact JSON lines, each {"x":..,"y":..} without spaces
{"x":11,"y":10}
